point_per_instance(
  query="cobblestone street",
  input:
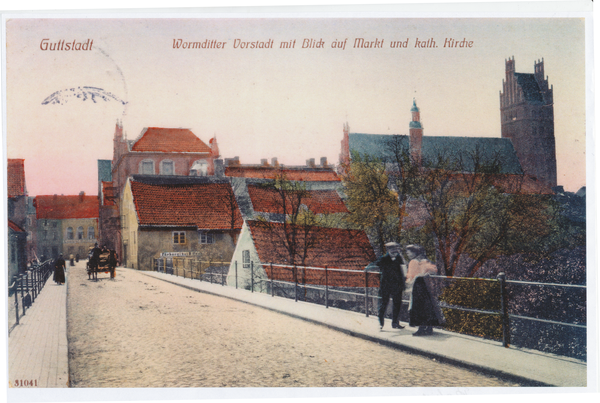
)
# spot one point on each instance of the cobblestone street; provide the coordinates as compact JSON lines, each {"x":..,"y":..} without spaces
{"x":137,"y":331}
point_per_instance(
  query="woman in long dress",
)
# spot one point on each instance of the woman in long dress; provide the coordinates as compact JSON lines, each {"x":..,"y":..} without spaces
{"x":423,"y":308}
{"x":59,"y":270}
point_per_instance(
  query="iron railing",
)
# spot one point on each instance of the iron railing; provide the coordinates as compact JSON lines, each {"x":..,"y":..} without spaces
{"x":325,"y":281}
{"x":24,"y":290}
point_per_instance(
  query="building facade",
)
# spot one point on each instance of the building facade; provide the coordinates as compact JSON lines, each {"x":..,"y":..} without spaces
{"x":192,"y":216}
{"x":66,"y":224}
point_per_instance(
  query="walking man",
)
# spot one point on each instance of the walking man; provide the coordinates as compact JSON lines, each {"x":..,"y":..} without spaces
{"x":391,"y":282}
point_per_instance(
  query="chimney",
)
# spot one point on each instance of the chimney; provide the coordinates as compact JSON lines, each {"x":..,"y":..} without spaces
{"x":324,"y":162}
{"x":310,"y":162}
{"x":219,"y":168}
{"x":81,"y":195}
{"x":274,"y":162}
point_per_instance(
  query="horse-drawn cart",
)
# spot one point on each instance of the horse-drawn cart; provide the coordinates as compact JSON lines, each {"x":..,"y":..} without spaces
{"x":104,"y":264}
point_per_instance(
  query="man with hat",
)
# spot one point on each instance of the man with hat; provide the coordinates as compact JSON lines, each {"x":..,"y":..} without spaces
{"x":391,"y":281}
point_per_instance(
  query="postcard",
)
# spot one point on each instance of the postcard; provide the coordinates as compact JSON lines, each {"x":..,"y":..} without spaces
{"x":320,"y":203}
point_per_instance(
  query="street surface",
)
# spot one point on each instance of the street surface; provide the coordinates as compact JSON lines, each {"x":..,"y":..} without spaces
{"x":137,"y":331}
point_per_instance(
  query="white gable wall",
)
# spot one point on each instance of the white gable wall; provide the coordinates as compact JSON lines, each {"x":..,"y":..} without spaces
{"x":244,"y":272}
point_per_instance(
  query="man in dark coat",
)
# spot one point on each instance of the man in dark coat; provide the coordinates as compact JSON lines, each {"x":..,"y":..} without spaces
{"x":59,"y":270}
{"x":95,"y":256}
{"x":391,"y":282}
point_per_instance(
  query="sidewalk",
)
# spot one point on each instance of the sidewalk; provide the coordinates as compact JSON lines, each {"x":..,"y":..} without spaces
{"x":528,"y":367}
{"x":37,"y":347}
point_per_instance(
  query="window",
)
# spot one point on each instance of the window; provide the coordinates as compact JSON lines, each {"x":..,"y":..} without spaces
{"x":147,"y":167}
{"x":179,"y":237}
{"x":91,"y":233}
{"x":246,"y":258}
{"x":54,"y":224}
{"x":167,"y":167}
{"x":70,"y":233}
{"x":45,"y":234}
{"x":206,"y":237}
{"x":55,"y":235}
{"x":79,"y":232}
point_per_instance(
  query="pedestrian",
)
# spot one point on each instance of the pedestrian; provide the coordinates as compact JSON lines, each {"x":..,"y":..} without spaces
{"x":59,"y":270}
{"x":77,"y":257}
{"x":423,"y":309}
{"x":72,"y":259}
{"x":391,"y":282}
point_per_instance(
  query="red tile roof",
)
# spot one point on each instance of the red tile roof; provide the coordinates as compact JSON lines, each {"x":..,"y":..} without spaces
{"x":307,"y":174}
{"x":266,"y":200}
{"x":169,"y":140}
{"x":331,"y":247}
{"x":15,"y":177}
{"x":65,"y":207}
{"x":203,"y":205}
{"x":15,"y":227}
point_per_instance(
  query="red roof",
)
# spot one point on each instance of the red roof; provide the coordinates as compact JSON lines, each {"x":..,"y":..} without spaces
{"x":333,"y":248}
{"x":169,"y":140}
{"x":15,"y":177}
{"x":307,"y":174}
{"x":266,"y":200}
{"x":15,"y":227}
{"x":203,"y":205}
{"x":65,"y":207}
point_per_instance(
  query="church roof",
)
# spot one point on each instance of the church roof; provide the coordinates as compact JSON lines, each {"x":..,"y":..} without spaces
{"x":377,"y":145}
{"x":159,"y":139}
{"x":530,"y":87}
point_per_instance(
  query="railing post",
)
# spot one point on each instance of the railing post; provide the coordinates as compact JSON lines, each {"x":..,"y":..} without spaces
{"x":236,"y":274}
{"x":22,"y":292}
{"x":33,"y":286}
{"x":252,"y":276}
{"x":16,"y":301}
{"x":326,"y":289}
{"x":272,"y":292}
{"x":223,"y":279}
{"x":504,"y":307}
{"x":295,"y":283}
{"x":366,"y":293}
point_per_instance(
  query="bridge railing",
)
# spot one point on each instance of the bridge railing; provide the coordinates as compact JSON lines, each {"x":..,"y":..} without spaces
{"x":492,"y":308}
{"x":24,"y":289}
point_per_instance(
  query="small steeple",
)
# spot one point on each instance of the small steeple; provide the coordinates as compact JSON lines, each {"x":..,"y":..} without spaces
{"x":416,"y":116}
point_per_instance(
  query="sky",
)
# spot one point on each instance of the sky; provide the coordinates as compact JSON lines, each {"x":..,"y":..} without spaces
{"x":289,"y":103}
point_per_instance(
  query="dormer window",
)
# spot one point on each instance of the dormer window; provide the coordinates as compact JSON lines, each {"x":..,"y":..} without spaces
{"x":147,"y":167}
{"x":167,"y":167}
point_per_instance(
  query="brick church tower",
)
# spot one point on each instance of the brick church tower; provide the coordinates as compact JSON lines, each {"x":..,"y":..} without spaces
{"x":527,"y":118}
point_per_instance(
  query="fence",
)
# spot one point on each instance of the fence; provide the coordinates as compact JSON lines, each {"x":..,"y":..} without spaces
{"x":23,"y":291}
{"x":203,"y":270}
{"x":490,"y":308}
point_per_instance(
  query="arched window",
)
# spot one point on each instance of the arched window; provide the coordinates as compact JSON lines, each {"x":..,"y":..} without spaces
{"x":167,"y":167}
{"x":199,"y":168}
{"x":70,"y":233}
{"x":147,"y":167}
{"x":91,"y":233}
{"x":79,"y":232}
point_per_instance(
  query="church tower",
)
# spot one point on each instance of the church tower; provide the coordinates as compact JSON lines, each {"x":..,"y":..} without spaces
{"x":527,"y":118}
{"x":415,"y":131}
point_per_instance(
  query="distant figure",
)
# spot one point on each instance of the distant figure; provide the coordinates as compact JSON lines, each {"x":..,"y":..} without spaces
{"x":59,"y":270}
{"x":72,"y":259}
{"x":391,"y":282}
{"x":77,"y":257}
{"x":423,"y":308}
